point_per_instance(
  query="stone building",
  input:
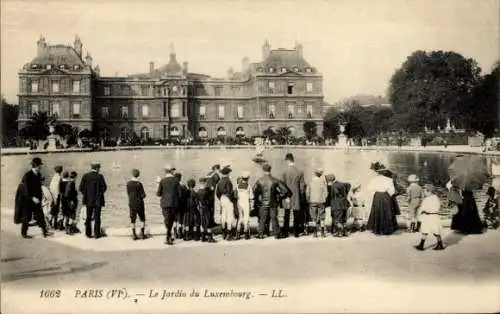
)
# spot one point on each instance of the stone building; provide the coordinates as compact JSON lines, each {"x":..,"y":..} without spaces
{"x":282,"y":90}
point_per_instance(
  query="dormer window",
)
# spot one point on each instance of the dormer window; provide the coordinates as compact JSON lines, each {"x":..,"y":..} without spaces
{"x":283,"y":70}
{"x":34,"y":66}
{"x":271,"y":70}
{"x":48,"y":66}
{"x":308,"y":70}
{"x":296,"y":69}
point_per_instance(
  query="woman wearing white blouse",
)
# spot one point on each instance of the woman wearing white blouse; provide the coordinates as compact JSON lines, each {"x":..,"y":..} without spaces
{"x":382,"y":219}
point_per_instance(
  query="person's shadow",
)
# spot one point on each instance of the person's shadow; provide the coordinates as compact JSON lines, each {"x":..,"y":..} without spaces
{"x":453,"y":238}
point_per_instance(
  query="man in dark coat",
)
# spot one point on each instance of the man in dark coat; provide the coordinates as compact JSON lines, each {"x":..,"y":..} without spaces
{"x":29,"y":199}
{"x":93,"y":186}
{"x":169,"y":191}
{"x":293,"y":177}
{"x":339,"y":204}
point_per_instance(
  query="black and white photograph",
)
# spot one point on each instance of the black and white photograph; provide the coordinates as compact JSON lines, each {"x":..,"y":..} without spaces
{"x":238,"y":156}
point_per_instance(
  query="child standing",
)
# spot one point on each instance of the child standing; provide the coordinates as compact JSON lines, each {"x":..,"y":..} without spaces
{"x":47,"y":199}
{"x":180,"y":218}
{"x":136,"y":195}
{"x":244,"y":196}
{"x":431,"y":221}
{"x":414,"y":192}
{"x":491,"y":210}
{"x":55,"y":190}
{"x":64,"y":201}
{"x":70,"y":203}
{"x":205,"y":208}
{"x":357,"y":208}
{"x":316,"y":194}
{"x":192,"y":219}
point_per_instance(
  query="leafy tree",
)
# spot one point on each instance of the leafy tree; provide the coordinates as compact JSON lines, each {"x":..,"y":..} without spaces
{"x":282,"y":135}
{"x":269,"y":133}
{"x":431,"y":87}
{"x":310,"y":129}
{"x":10,"y":115}
{"x":37,"y":127}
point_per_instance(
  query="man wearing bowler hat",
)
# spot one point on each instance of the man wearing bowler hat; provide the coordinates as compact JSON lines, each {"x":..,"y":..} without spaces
{"x":93,"y":186}
{"x":31,"y":199}
{"x":169,"y":191}
{"x":293,"y":178}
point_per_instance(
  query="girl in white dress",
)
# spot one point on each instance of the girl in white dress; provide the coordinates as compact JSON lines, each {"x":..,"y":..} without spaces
{"x":430,"y":217}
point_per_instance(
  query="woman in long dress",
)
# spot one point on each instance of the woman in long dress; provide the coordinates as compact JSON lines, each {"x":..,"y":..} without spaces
{"x":382,"y":219}
{"x":467,"y":220}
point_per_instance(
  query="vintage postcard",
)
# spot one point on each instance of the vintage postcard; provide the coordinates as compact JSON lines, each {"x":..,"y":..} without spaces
{"x":250,"y":156}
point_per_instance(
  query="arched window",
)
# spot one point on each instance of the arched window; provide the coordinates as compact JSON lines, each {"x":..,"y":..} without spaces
{"x":145,"y":135}
{"x":221,"y":131}
{"x":240,"y":131}
{"x":174,"y":131}
{"x":202,"y":132}
{"x":124,"y":132}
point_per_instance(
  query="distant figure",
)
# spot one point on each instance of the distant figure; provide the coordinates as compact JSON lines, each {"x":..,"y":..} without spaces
{"x":136,"y":196}
{"x":93,"y":186}
{"x":169,"y":191}
{"x":431,"y":222}
{"x":316,"y":194}
{"x":293,"y":178}
{"x":415,"y":195}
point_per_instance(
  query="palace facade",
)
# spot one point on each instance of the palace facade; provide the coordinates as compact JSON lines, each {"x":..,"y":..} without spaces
{"x":282,"y":90}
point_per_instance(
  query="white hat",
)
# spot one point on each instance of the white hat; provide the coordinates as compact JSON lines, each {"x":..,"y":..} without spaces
{"x":413,"y":178}
{"x":245,"y":174}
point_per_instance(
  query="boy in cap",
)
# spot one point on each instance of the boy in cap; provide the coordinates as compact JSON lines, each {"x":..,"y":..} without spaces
{"x":415,"y":195}
{"x":180,"y":227}
{"x":316,"y":194}
{"x":225,"y":193}
{"x":169,"y":191}
{"x":64,"y":202}
{"x":205,"y":205}
{"x":192,"y":217}
{"x":70,"y":203}
{"x":136,"y":196}
{"x":244,"y":196}
{"x":55,"y":189}
{"x":47,"y":199}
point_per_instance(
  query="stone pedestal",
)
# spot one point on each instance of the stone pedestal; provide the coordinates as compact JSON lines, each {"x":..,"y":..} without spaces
{"x":342,"y":142}
{"x":52,"y":142}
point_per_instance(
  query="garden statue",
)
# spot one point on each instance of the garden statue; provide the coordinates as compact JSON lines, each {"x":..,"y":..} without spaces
{"x":51,"y":139}
{"x":342,"y":142}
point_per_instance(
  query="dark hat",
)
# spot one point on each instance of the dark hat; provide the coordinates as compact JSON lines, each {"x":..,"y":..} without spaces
{"x":216,"y":167}
{"x":35,"y":162}
{"x":58,"y":168}
{"x":226,"y":170}
{"x":178,"y":175}
{"x":191,"y":183}
{"x":376,"y":166}
{"x":330,"y":177}
{"x":65,"y":174}
{"x":266,"y":168}
{"x":95,"y":165}
{"x":289,"y":156}
{"x":73,"y":174}
{"x":135,"y":173}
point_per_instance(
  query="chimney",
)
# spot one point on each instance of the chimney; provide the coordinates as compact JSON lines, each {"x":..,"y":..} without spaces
{"x":245,"y":64}
{"x":88,"y":60}
{"x":298,"y":48}
{"x":41,"y":44}
{"x":230,"y":73}
{"x":266,"y":48}
{"x":151,"y":67}
{"x":77,"y":44}
{"x":97,"y":70}
{"x":185,"y":68}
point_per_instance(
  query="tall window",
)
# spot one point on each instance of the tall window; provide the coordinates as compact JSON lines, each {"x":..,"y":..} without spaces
{"x":290,"y":88}
{"x":271,"y":70}
{"x":164,"y":108}
{"x":283,"y":70}
{"x":272,"y":111}
{"x":105,"y":112}
{"x":144,"y":90}
{"x":309,"y":110}
{"x":55,"y":86}
{"x":271,"y":87}
{"x":218,"y":91}
{"x":240,"y":113}
{"x":145,"y":110}
{"x":236,"y":90}
{"x":309,"y":87}
{"x":56,"y":109}
{"x":221,"y":113}
{"x":175,"y":111}
{"x":124,"y":112}
{"x":34,"y":108}
{"x":184,"y":108}
{"x":291,"y":111}
{"x":107,"y":91}
{"x":76,"y":110}
{"x":308,"y":70}
{"x":145,"y":133}
{"x":76,"y":86}
{"x":202,"y":112}
{"x":34,"y":86}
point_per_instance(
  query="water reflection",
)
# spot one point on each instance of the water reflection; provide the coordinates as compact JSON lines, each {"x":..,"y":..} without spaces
{"x":116,"y":166}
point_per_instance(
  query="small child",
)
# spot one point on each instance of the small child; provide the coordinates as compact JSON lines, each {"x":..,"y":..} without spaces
{"x":70,"y":198}
{"x":205,"y":205}
{"x":316,"y":194}
{"x":431,"y":222}
{"x":180,"y":216}
{"x":414,"y":192}
{"x":491,"y":210}
{"x":64,"y":201}
{"x":47,"y":199}
{"x":136,"y":195}
{"x":357,"y":208}
{"x":192,"y":217}
{"x":244,"y":201}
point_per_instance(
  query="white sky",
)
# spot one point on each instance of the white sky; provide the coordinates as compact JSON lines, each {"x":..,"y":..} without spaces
{"x":356,"y":44}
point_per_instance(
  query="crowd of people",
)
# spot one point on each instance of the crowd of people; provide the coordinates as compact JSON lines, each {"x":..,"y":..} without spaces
{"x":189,"y":209}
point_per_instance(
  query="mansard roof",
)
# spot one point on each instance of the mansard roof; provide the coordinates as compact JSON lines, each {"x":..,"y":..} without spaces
{"x":58,"y":55}
{"x":285,"y":58}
